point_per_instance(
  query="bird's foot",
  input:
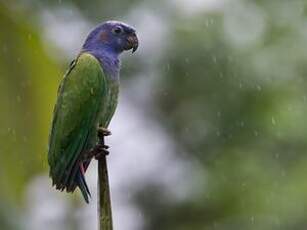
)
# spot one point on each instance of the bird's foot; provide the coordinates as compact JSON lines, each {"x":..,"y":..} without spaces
{"x":103,"y":132}
{"x":100,"y":150}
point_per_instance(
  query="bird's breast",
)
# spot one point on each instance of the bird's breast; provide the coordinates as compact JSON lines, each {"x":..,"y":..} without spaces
{"x":110,"y":103}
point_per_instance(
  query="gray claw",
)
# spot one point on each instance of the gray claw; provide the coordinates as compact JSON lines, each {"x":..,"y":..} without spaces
{"x":104,"y":132}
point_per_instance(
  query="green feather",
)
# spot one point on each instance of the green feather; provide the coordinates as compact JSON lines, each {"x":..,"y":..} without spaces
{"x":83,"y":97}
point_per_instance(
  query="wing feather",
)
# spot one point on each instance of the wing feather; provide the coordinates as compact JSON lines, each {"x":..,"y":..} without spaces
{"x":80,"y":98}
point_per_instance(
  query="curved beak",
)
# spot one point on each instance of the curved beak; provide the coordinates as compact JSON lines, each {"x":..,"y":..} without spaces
{"x":132,"y":42}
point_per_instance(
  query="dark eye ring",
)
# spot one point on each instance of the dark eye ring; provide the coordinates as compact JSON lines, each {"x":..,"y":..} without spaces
{"x":117,"y":30}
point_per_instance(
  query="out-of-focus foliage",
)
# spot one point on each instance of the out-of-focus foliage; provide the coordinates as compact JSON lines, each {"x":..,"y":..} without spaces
{"x":237,"y":104}
{"x":232,"y":94}
{"x":101,"y":10}
{"x":26,"y":102}
{"x":9,"y":218}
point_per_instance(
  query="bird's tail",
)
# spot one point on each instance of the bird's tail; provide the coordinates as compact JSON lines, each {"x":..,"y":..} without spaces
{"x":81,"y":183}
{"x":74,"y":179}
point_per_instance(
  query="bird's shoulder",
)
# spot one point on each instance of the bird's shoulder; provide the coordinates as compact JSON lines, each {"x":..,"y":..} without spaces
{"x":85,"y":61}
{"x":84,"y":71}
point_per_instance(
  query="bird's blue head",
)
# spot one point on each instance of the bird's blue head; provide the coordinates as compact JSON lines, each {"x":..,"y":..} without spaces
{"x":113,"y":37}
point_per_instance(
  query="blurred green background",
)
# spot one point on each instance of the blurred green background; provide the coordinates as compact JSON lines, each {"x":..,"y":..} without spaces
{"x":211,"y":129}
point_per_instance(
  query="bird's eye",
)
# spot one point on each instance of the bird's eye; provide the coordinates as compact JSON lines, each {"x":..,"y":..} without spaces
{"x":117,"y":30}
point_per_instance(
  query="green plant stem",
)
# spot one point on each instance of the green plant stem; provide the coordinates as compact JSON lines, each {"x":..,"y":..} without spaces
{"x":104,"y":198}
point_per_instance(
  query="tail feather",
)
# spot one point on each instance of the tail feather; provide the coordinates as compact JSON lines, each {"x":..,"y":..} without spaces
{"x":76,"y":179}
{"x":81,"y":183}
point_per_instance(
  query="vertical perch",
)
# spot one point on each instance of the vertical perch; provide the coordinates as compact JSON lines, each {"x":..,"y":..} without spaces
{"x":104,"y":199}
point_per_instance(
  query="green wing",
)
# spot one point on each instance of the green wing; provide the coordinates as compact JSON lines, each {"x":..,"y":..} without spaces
{"x":80,"y":98}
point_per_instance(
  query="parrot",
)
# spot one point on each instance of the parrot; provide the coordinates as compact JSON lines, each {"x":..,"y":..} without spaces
{"x":86,"y":101}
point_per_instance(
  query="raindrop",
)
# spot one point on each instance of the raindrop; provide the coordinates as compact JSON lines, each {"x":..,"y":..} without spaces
{"x":140,"y":214}
{"x":24,"y":138}
{"x":14,"y":135}
{"x":168,"y":67}
{"x":218,"y":114}
{"x":18,"y":98}
{"x":277,"y":221}
{"x":283,"y":173}
{"x":259,"y":88}
{"x":207,"y":23}
{"x":214,"y":59}
{"x":302,"y":9}
{"x":4,"y":48}
{"x":252,"y":219}
{"x":273,"y":121}
{"x":256,"y":133}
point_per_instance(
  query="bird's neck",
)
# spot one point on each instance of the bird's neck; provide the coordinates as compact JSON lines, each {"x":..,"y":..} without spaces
{"x":109,"y":61}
